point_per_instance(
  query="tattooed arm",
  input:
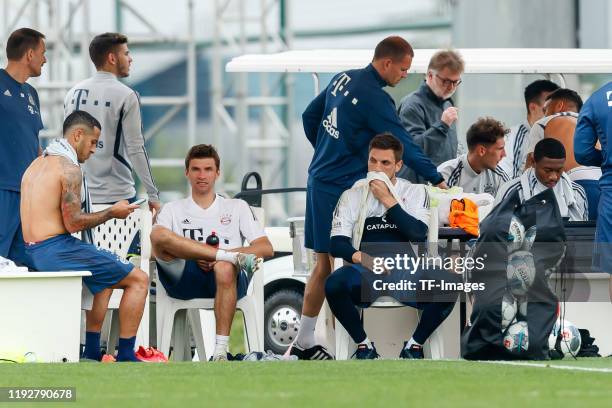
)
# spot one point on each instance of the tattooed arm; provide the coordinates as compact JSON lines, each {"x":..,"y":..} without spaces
{"x":74,"y":219}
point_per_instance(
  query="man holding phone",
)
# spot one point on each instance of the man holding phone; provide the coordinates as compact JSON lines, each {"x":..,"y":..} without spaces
{"x":53,"y":194}
{"x":121,"y":147}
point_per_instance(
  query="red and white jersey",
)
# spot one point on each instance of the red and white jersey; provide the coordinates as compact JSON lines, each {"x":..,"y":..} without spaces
{"x":231,"y":219}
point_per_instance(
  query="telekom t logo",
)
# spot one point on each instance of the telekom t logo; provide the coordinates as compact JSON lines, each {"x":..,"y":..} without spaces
{"x":340,"y":83}
{"x":77,"y":97}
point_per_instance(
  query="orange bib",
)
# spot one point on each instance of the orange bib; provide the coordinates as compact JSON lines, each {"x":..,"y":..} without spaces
{"x":464,"y":214}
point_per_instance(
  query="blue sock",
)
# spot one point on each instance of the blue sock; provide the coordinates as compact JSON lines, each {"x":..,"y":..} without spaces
{"x":92,"y":346}
{"x":126,"y":350}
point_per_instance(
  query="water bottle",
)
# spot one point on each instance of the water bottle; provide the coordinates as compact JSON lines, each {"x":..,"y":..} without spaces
{"x":212,"y":240}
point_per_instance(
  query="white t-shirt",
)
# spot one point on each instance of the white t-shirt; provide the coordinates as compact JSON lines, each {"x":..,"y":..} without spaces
{"x":414,"y":201}
{"x":231,"y":219}
{"x":458,"y":172}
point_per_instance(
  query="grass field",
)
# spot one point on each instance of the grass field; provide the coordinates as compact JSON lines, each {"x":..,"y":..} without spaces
{"x":332,"y":383}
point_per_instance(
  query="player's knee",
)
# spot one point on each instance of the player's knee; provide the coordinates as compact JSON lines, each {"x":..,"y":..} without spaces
{"x":333,"y":285}
{"x":160,"y":237}
{"x":225,"y":274}
{"x":139,"y":280}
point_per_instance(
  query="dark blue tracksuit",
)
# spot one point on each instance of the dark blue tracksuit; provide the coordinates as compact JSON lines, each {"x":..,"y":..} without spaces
{"x":340,"y":123}
{"x":595,"y":123}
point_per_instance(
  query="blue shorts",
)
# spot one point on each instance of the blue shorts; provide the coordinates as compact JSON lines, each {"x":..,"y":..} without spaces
{"x":191,"y":282}
{"x":11,"y":237}
{"x":67,"y":253}
{"x":320,"y":205}
{"x":602,"y":254}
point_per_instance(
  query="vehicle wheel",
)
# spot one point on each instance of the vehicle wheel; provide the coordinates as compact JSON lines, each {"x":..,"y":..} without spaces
{"x":282,"y":311}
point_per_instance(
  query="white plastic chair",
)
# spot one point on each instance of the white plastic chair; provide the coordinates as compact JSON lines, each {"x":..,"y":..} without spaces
{"x":116,"y":236}
{"x":174,"y":316}
{"x":434,"y":346}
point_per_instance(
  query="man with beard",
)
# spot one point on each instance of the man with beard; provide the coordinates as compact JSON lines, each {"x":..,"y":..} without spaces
{"x":121,"y":146}
{"x":429,"y":114}
{"x":21,"y":122}
{"x":478,"y":170}
{"x":339,"y":123}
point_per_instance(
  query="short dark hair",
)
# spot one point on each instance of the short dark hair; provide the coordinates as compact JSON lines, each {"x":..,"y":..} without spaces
{"x":485,"y":131}
{"x":447,"y":59}
{"x":20,"y":41}
{"x":79,"y":117}
{"x":534,"y":90}
{"x":565,"y":94}
{"x":393,"y":47}
{"x":548,"y":147}
{"x":202,"y":151}
{"x":104,"y":44}
{"x":386,"y":141}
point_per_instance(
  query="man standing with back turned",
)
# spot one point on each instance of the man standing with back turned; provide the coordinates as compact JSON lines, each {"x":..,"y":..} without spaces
{"x":595,"y":124}
{"x":21,"y":122}
{"x":339,"y":123}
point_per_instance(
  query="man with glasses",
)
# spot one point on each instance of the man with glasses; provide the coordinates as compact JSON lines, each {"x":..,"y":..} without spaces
{"x":429,"y":114}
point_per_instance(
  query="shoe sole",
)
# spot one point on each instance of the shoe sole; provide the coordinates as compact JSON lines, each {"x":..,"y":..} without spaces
{"x":251,"y":268}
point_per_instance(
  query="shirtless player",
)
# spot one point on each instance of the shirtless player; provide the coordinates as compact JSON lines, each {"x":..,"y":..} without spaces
{"x":51,"y":210}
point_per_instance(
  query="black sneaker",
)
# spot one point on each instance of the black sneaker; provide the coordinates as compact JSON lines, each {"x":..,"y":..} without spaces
{"x":415,"y":352}
{"x":316,"y":352}
{"x":363,"y":352}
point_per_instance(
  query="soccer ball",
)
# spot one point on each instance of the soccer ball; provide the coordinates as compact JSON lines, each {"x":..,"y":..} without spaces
{"x":522,"y":307}
{"x":516,"y":234}
{"x":520,"y":272}
{"x":517,"y":337}
{"x":570,"y":340}
{"x":508,"y":310}
{"x":530,"y":236}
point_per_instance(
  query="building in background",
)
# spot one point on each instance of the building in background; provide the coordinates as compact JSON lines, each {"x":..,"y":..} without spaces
{"x":163,"y":66}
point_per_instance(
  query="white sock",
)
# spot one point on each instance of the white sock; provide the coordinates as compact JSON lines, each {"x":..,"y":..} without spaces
{"x":226,"y":256}
{"x":305,"y":337}
{"x":367,"y":342}
{"x":411,"y":342}
{"x":221,"y":343}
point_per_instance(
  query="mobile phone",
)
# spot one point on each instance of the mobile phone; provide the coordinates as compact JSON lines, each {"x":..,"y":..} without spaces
{"x":140,"y":201}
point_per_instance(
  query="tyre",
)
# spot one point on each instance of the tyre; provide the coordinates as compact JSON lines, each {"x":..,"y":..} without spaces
{"x":282,"y":311}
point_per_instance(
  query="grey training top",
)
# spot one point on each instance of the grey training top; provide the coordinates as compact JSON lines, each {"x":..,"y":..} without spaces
{"x":420,"y":114}
{"x":121,"y":145}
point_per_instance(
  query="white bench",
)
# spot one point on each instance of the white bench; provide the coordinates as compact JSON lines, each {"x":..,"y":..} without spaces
{"x":40,"y":313}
